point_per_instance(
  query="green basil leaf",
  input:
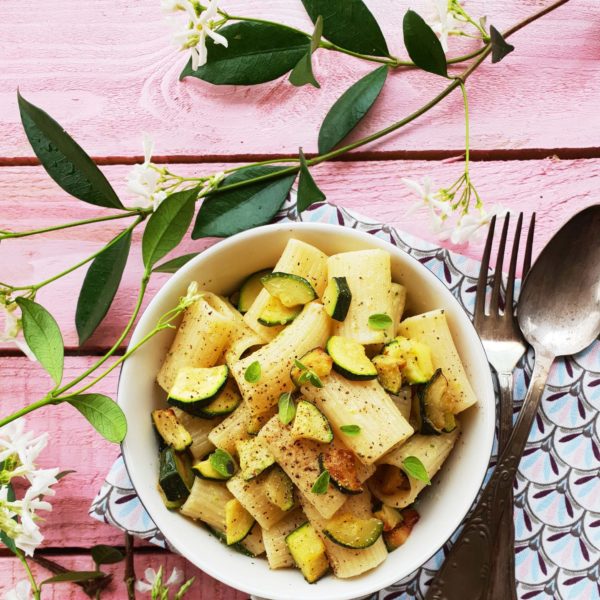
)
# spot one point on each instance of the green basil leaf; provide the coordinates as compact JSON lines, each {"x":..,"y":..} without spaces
{"x":168,"y":225}
{"x":349,"y":24}
{"x":313,"y":379}
{"x":252,"y":374}
{"x":73,"y":576}
{"x":257,"y":52}
{"x":64,"y":159}
{"x":106,"y":555}
{"x":287,"y":408}
{"x":422,"y":45}
{"x":415,"y":468}
{"x":222,"y":462}
{"x":43,"y":336}
{"x":299,"y":365}
{"x":350,"y":108}
{"x":173,"y":265}
{"x":350,"y":429}
{"x":321,"y":484}
{"x":232,"y":211}
{"x":500,"y":47}
{"x":303,"y":71}
{"x":99,"y":287}
{"x":380,"y":321}
{"x":308,"y":190}
{"x":104,"y":414}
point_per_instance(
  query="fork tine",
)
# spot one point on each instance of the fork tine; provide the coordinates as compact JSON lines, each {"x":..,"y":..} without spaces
{"x":529,"y":247}
{"x":510,"y":282}
{"x":479,"y":311}
{"x":495,"y":299}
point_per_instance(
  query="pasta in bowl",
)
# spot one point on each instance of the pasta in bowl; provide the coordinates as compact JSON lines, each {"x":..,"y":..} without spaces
{"x":302,"y":410}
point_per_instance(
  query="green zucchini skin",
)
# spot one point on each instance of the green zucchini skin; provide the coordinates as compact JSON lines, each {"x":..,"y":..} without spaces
{"x":276,"y":314}
{"x":238,"y":547}
{"x":250,"y":289}
{"x":291,"y":290}
{"x":195,"y":405}
{"x":175,"y":474}
{"x":337,"y":298}
{"x":337,"y":348}
{"x":358,"y":544}
{"x":429,"y":397}
{"x":170,"y":431}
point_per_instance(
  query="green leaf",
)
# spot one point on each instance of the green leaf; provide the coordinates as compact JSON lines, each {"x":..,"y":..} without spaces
{"x":349,"y":24}
{"x":106,"y":555}
{"x":423,"y":46}
{"x":99,"y":287}
{"x":65,"y":160}
{"x":232,"y":211}
{"x":222,"y":462}
{"x":350,"y":108}
{"x":43,"y":336}
{"x":303,"y":71}
{"x":321,"y":483}
{"x":287,"y":408}
{"x":500,"y":47}
{"x":104,"y":414}
{"x":257,"y":52}
{"x":415,"y":468}
{"x":64,"y":473}
{"x":380,"y":321}
{"x":11,"y":497}
{"x":308,"y":190}
{"x":173,"y":265}
{"x":350,"y":429}
{"x":252,"y":374}
{"x":73,"y":576}
{"x":168,"y":225}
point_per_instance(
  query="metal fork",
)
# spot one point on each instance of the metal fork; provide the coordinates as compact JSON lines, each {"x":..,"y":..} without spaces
{"x":504,"y":346}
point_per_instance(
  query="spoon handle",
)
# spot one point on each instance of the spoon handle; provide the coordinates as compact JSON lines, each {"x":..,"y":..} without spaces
{"x":466,"y":570}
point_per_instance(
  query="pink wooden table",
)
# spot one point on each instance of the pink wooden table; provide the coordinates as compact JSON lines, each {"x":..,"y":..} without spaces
{"x":107,"y":71}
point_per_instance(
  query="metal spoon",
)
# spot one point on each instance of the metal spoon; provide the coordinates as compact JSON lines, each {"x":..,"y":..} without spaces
{"x":559,"y":314}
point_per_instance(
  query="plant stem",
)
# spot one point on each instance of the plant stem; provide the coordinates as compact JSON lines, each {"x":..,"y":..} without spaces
{"x":129,"y":577}
{"x":34,"y":586}
{"x":466,"y":103}
{"x":37,"y":286}
{"x":26,"y":409}
{"x":4,"y":235}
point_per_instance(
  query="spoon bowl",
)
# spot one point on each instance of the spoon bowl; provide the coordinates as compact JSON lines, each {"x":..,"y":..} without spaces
{"x":559,"y":306}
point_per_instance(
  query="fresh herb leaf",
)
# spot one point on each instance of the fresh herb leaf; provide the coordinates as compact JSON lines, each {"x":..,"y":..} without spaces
{"x":64,"y":159}
{"x":303,"y":71}
{"x":321,"y":483}
{"x":349,"y":24}
{"x":252,"y":374}
{"x":73,"y":576}
{"x":350,"y":429}
{"x":307,"y":375}
{"x":106,"y":555}
{"x":99,"y":287}
{"x":308,"y":190}
{"x":350,"y":108}
{"x":380,"y":321}
{"x":287,"y":408}
{"x":415,"y":468}
{"x":173,"y":265}
{"x":104,"y":414}
{"x":500,"y":47}
{"x":167,"y":226}
{"x":222,"y":462}
{"x":422,"y":45}
{"x":43,"y":337}
{"x":229,"y":212}
{"x":257,"y":52}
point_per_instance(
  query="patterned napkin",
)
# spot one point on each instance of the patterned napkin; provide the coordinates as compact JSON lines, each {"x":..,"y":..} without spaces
{"x":557,"y":489}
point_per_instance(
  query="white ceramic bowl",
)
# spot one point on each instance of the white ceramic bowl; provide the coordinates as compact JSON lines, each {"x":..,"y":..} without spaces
{"x":221,"y":269}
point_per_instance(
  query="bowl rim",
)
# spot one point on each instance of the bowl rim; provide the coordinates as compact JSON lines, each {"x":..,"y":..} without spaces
{"x":183,"y":272}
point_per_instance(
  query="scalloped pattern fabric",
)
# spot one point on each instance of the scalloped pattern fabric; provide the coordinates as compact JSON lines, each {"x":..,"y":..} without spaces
{"x":557,"y":488}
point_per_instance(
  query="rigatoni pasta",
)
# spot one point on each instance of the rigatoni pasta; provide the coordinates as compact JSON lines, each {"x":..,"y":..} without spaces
{"x":308,"y":426}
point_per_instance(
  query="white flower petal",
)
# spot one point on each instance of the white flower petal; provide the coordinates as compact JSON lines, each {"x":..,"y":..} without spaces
{"x":142,"y":586}
{"x":175,"y":578}
{"x":217,"y":37}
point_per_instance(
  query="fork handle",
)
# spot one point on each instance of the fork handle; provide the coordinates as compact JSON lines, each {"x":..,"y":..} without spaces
{"x":502,"y":583}
{"x":466,"y":570}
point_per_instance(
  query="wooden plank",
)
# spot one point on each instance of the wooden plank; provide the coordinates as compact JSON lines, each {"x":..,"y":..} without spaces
{"x":108,"y":72}
{"x":556,"y":189}
{"x":73,"y":444}
{"x":204,"y":587}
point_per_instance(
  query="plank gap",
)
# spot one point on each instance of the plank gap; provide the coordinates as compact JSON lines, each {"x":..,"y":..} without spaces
{"x":505,"y":154}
